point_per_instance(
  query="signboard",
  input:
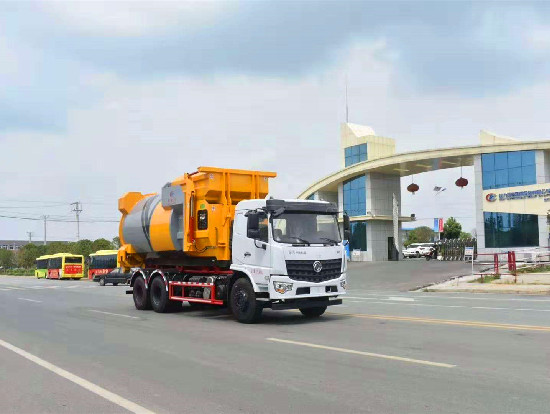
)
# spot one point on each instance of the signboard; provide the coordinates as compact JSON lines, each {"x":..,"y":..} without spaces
{"x":438,"y":225}
{"x":526,"y":199}
{"x":468,"y":251}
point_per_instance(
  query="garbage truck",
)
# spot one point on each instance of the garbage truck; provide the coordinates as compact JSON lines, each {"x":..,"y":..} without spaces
{"x":216,"y":237}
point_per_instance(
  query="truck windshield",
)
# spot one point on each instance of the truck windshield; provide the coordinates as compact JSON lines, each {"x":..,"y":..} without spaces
{"x":306,"y":228}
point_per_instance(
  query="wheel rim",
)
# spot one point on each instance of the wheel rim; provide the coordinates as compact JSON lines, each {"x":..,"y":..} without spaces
{"x":240,"y":299}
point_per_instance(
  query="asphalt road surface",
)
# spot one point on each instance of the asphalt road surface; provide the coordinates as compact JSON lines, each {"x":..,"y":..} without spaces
{"x":75,"y":347}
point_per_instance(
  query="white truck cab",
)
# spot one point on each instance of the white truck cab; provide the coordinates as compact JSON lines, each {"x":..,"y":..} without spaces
{"x":292,"y":252}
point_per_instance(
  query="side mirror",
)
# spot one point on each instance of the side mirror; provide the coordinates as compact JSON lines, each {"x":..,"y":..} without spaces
{"x":347,"y":231}
{"x":253,"y":225}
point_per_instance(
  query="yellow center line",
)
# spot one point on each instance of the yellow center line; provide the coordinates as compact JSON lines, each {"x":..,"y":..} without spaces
{"x":448,"y":322}
{"x":363,"y":353}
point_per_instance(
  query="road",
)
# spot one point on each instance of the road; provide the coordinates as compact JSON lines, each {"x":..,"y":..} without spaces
{"x":75,"y":347}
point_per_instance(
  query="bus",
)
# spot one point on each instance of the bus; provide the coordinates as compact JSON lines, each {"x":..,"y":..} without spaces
{"x":102,"y":262}
{"x":41,"y":263}
{"x":65,"y":266}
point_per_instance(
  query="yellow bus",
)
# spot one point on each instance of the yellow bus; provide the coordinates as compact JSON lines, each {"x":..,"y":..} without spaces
{"x":102,"y":262}
{"x":65,"y":266}
{"x":41,"y":263}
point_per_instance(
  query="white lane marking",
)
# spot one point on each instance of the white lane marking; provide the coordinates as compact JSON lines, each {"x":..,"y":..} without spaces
{"x":114,"y":314}
{"x":486,"y":307}
{"x":536,"y":310}
{"x":30,"y":300}
{"x":401,"y":299}
{"x":72,"y":287}
{"x":363,"y":353}
{"x":96,"y":389}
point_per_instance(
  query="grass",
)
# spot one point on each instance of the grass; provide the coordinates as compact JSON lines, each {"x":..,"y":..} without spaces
{"x":17,"y":272}
{"x":535,"y":269}
{"x":485,"y":279}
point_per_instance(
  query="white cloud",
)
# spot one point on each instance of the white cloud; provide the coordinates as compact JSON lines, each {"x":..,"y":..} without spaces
{"x":136,"y":17}
{"x":140,"y":135}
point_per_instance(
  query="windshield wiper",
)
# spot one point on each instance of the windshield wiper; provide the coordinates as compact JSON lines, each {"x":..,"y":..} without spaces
{"x":329,"y":240}
{"x":302,"y":240}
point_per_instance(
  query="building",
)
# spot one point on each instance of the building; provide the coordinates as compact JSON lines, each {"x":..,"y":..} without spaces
{"x":512,"y":190}
{"x":17,"y":244}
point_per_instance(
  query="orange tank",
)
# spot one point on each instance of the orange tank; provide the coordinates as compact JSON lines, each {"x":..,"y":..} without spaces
{"x":189,"y":221}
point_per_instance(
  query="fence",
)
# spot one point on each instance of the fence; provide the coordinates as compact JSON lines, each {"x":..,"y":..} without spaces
{"x":453,"y":249}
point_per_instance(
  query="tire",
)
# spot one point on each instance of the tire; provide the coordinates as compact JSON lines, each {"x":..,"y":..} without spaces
{"x":115,"y":284}
{"x":159,"y":297}
{"x":243,"y":304}
{"x":313,"y":312}
{"x":141,"y":295}
{"x":101,"y":281}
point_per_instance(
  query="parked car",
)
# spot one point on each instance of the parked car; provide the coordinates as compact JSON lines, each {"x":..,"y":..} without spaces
{"x":115,"y":277}
{"x":412,"y":250}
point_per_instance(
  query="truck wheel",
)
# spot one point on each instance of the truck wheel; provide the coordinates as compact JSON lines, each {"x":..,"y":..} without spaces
{"x":141,"y":296}
{"x":102,"y":281}
{"x":313,"y":312}
{"x":243,"y":303}
{"x":159,"y":297}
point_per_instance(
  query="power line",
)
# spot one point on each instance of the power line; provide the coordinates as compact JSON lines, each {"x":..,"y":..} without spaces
{"x":59,"y":220}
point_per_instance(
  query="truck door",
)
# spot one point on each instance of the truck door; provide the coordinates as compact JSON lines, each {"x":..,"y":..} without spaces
{"x":253,"y":253}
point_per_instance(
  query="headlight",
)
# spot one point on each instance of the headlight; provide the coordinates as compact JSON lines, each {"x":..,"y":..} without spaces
{"x":343,"y":284}
{"x":282,"y":287}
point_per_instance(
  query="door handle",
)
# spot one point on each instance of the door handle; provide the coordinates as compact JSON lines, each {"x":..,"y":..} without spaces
{"x":247,"y":254}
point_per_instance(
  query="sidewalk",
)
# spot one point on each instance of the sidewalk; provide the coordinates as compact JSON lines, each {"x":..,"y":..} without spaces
{"x":527,"y":284}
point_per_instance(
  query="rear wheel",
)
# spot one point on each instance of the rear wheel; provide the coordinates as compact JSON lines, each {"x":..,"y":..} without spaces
{"x":313,"y":312}
{"x":159,"y":297}
{"x":115,"y":283}
{"x":243,"y":303}
{"x":141,"y":296}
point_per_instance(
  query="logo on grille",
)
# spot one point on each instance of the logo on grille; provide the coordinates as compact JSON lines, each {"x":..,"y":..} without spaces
{"x":317,"y":266}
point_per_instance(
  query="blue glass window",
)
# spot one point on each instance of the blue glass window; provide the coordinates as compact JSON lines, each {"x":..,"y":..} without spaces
{"x":311,"y":197}
{"x":355,"y":196}
{"x":355,"y":154}
{"x":511,"y":230}
{"x":508,"y":169}
{"x":358,"y":238}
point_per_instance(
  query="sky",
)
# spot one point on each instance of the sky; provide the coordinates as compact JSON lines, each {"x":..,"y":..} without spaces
{"x":100,"y":98}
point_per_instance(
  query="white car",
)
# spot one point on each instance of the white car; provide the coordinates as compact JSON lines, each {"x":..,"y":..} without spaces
{"x":412,"y":250}
{"x":425,"y":248}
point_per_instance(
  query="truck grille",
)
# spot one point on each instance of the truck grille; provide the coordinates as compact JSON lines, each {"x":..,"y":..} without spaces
{"x":302,"y":270}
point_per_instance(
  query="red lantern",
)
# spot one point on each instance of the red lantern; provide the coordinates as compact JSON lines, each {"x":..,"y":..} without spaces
{"x":413,"y":188}
{"x":461,"y":182}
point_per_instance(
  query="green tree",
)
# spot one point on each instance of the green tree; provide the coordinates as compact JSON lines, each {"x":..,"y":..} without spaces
{"x":58,"y":247}
{"x":465,"y":235}
{"x":7,"y":258}
{"x":452,"y":229}
{"x":421,"y":234}
{"x":28,"y":254}
{"x":101,"y":244}
{"x":83,"y":247}
{"x":116,"y":242}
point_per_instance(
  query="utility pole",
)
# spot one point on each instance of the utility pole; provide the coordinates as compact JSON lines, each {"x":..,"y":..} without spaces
{"x":30,"y":236}
{"x":77,"y":209}
{"x":45,"y":220}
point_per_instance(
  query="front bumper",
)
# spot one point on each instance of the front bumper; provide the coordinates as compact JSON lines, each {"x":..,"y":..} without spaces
{"x":303,"y":290}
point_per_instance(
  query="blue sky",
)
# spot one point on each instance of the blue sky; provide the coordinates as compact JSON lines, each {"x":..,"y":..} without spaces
{"x":89,"y":88}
